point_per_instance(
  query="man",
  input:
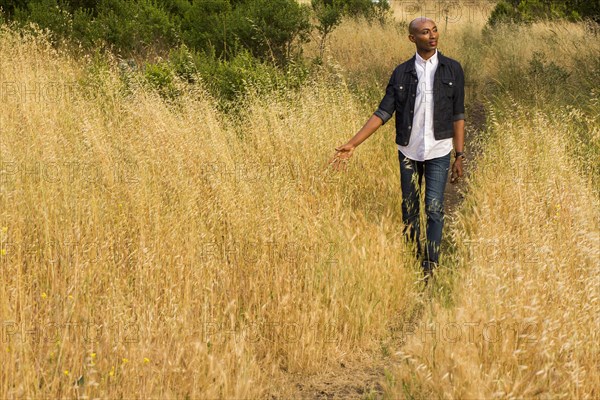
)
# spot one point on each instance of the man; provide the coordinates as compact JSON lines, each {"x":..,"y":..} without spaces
{"x":427,"y":94}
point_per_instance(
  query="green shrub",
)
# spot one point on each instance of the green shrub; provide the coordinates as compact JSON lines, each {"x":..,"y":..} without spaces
{"x":47,"y":14}
{"x":135,"y":26}
{"x":233,"y":46}
{"x":366,"y":8}
{"x":272,"y":29}
{"x":183,"y":62}
{"x":329,"y":14}
{"x":229,"y":80}
{"x":161,"y":77}
{"x":124,"y":25}
{"x":10,"y":6}
{"x":226,"y":80}
{"x":177,"y":8}
{"x":546,"y":78}
{"x":86,"y":29}
{"x":525,"y":11}
{"x":206,"y":26}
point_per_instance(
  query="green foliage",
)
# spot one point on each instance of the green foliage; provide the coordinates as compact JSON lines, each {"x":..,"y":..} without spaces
{"x":526,"y":11}
{"x":272,"y":29}
{"x":183,"y":61}
{"x":357,"y":8}
{"x":125,"y":26}
{"x":546,"y":78}
{"x":177,"y":8}
{"x":269,"y":29}
{"x":47,"y":14}
{"x":540,"y":81}
{"x":9,"y":6}
{"x":233,"y":46}
{"x":226,"y":80}
{"x":231,"y":79}
{"x":329,"y":14}
{"x":134,"y":26}
{"x":589,"y":9}
{"x":161,"y":77}
{"x":366,"y":8}
{"x":503,"y":13}
{"x":88,"y":30}
{"x":206,"y":26}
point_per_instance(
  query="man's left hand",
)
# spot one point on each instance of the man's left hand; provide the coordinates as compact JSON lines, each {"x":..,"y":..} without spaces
{"x":457,"y":170}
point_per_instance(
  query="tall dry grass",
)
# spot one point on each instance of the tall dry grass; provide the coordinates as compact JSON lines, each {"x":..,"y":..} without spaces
{"x":523,"y":315}
{"x":514,"y":313}
{"x":168,"y":250}
{"x":154,"y":249}
{"x":525,"y":318}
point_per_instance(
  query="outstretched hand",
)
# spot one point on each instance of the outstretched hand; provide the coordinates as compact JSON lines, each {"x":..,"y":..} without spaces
{"x":342,"y":156}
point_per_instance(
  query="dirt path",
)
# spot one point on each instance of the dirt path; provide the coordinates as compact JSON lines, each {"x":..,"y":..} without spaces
{"x":348,"y":382}
{"x":476,"y":123}
{"x":365,"y":378}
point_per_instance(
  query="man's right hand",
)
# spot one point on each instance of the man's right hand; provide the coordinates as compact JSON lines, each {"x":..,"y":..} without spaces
{"x":343,"y":153}
{"x":341,"y":156}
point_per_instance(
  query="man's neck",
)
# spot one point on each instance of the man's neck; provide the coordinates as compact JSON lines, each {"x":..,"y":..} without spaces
{"x":426,"y":55}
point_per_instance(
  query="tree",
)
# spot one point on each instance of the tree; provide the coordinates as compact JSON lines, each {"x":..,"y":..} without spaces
{"x":329,"y":13}
{"x":272,"y":29}
{"x":205,"y":26}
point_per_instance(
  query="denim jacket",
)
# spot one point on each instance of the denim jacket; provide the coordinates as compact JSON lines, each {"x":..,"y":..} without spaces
{"x":448,"y":98}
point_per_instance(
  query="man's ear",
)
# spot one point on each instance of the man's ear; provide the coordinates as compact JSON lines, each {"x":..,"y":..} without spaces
{"x":411,"y":37}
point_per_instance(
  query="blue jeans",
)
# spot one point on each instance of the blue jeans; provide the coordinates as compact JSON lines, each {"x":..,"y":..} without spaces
{"x":436,"y":175}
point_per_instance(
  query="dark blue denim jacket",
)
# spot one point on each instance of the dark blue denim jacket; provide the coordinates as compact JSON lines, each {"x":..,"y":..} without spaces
{"x":448,"y":98}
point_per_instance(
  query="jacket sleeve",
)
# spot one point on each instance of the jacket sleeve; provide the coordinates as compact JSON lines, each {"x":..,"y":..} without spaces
{"x":388,"y":103}
{"x":459,"y":99}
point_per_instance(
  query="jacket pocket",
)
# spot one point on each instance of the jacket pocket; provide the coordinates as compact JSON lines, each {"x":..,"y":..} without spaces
{"x":401,"y":93}
{"x":448,"y":87}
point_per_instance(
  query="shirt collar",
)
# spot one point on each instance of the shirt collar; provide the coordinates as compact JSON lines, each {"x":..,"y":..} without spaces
{"x":433,"y":59}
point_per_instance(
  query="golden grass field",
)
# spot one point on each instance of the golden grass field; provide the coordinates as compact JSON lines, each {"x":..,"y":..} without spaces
{"x":170,"y":250}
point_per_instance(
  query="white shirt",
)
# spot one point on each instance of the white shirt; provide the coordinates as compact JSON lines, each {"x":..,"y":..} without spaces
{"x":422,"y":144}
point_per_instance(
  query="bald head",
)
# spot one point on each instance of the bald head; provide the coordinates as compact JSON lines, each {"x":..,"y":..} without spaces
{"x":424,"y":34}
{"x":415,"y":24}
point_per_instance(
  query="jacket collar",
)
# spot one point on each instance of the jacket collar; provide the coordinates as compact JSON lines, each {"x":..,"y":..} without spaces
{"x":411,"y":63}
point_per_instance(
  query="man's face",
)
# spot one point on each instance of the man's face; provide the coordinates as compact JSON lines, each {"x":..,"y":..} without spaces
{"x":425,"y":35}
